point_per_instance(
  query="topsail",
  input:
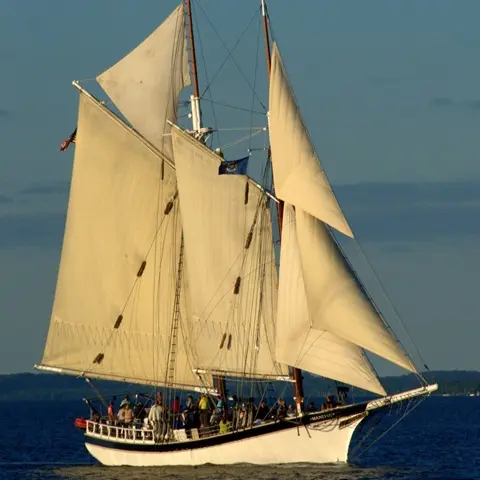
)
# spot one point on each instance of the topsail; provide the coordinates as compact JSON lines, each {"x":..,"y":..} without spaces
{"x":145,"y":85}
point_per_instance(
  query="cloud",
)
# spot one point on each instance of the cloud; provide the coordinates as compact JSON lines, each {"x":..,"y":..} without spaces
{"x":387,"y":79}
{"x":27,"y":230}
{"x":396,"y":212}
{"x":5,"y":199}
{"x":5,"y":114}
{"x":441,"y":102}
{"x":445,"y":102}
{"x":46,"y":188}
{"x":473,"y":104}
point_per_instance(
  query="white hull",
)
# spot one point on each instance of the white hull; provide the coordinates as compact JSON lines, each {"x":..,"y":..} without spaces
{"x":327,"y":444}
{"x":324,"y":438}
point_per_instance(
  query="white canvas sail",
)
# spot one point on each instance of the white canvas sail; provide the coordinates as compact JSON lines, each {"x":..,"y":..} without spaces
{"x":299,"y":177}
{"x":300,"y":345}
{"x":116,"y":221}
{"x":335,"y":301}
{"x":145,"y":84}
{"x":232,"y":287}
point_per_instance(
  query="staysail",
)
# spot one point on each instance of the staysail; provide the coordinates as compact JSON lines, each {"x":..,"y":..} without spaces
{"x":299,"y":177}
{"x":231,"y":264}
{"x":336,"y":302}
{"x":145,"y":84}
{"x":114,"y":301}
{"x":301,"y":345}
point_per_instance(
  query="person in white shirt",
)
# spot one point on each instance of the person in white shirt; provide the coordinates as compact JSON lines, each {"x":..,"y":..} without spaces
{"x":156,"y":417}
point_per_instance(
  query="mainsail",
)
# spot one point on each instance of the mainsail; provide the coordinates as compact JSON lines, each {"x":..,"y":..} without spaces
{"x":300,"y":344}
{"x":145,"y":84}
{"x":115,"y":294}
{"x":299,"y":178}
{"x":231,"y":264}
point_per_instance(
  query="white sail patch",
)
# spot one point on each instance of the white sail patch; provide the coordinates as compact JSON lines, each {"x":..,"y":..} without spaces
{"x":335,"y":301}
{"x":145,"y":85}
{"x":299,"y":344}
{"x":230,"y":264}
{"x":115,"y":292}
{"x":299,"y":178}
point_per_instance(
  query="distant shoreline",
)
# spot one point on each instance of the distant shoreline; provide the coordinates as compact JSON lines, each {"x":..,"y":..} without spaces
{"x":50,"y":387}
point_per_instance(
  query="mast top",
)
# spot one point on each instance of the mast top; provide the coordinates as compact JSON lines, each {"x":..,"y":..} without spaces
{"x":196,"y":90}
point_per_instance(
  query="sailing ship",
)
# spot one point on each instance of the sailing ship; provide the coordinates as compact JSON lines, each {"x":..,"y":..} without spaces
{"x":169,"y":273}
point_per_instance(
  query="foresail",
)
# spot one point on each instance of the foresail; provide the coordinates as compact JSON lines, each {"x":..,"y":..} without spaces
{"x":114,"y":301}
{"x":145,"y":85}
{"x":299,"y":177}
{"x":335,"y":301}
{"x":300,"y":345}
{"x":230,"y":264}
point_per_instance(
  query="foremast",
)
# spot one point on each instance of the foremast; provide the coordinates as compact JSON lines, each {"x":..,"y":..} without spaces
{"x":296,"y":372}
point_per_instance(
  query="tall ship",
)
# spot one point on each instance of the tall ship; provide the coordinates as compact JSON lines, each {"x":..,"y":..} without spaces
{"x":184,"y":275}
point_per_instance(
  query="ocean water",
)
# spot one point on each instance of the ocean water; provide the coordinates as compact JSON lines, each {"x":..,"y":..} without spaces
{"x":438,"y":440}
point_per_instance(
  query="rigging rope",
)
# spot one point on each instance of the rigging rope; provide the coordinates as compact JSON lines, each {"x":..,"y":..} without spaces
{"x":212,"y":103}
{"x":254,"y":82}
{"x":230,"y":52}
{"x":407,"y":412}
{"x":242,"y":139}
{"x":135,"y":283}
{"x":418,"y":374}
{"x":233,"y":107}
{"x":392,"y":306}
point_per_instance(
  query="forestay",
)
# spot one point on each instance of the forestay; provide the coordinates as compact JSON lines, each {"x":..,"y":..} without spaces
{"x":145,"y":85}
{"x":298,"y":343}
{"x":116,"y":221}
{"x":232,"y":281}
{"x":299,"y":177}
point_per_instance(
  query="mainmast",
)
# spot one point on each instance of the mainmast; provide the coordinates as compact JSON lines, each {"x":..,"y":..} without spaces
{"x":195,"y":98}
{"x":296,"y":373}
{"x":199,"y":133}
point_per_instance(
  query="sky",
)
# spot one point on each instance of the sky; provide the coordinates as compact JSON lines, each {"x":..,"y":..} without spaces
{"x":390,"y":93}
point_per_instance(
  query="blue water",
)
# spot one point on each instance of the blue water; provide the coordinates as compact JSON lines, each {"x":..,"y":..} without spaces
{"x":438,"y":440}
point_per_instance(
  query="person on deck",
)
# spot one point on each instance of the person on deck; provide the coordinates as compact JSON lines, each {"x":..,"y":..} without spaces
{"x":139,"y":411}
{"x":262,"y":411}
{"x":121,"y":416}
{"x":111,"y":413}
{"x":175,"y":411}
{"x":125,"y":401}
{"x":189,"y":415}
{"x":204,"y":408}
{"x":156,"y":417}
{"x":251,"y":412}
{"x":128,"y":415}
{"x":282,"y":409}
{"x":331,"y":403}
{"x":235,"y":412}
{"x":224,"y":425}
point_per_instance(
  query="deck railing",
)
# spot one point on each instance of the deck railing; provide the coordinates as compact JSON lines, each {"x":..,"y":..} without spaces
{"x":141,"y":433}
{"x":137,"y":433}
{"x":122,"y":433}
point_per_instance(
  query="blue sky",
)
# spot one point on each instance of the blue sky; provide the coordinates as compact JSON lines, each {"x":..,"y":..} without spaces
{"x":389,"y":90}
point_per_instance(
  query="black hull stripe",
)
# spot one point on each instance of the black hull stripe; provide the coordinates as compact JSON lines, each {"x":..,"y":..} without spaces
{"x":230,"y":437}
